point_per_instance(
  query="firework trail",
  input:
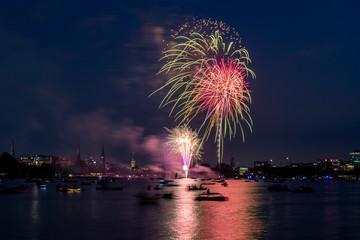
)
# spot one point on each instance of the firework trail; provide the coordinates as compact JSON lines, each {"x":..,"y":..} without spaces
{"x":184,"y":142}
{"x":207,"y":69}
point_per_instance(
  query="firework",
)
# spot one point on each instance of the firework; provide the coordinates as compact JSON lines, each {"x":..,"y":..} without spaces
{"x":221,"y":91}
{"x":207,"y":68}
{"x":184,"y":142}
{"x":200,"y":41}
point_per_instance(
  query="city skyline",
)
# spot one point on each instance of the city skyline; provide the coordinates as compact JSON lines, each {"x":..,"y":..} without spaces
{"x":82,"y":72}
{"x":280,"y":162}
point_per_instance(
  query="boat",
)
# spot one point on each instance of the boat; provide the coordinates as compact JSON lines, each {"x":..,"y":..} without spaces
{"x":219,"y":180}
{"x":76,"y":189}
{"x":167,"y":196}
{"x":61,"y":189}
{"x":164,"y":182}
{"x":196,"y":188}
{"x":21,"y":188}
{"x":211,"y":197}
{"x":171,"y":185}
{"x":5,"y":190}
{"x":104,"y":188}
{"x":42,"y":186}
{"x":66,"y":189}
{"x":153,"y":188}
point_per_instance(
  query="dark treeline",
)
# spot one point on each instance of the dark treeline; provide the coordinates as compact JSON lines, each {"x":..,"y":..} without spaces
{"x":11,"y":168}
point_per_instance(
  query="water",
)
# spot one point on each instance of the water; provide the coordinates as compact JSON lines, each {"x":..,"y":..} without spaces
{"x":332,"y":211}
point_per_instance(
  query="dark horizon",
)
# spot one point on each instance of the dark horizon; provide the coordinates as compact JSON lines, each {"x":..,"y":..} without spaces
{"x":82,"y":72}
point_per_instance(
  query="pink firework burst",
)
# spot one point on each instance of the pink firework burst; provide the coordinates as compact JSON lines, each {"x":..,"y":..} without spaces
{"x":221,"y":90}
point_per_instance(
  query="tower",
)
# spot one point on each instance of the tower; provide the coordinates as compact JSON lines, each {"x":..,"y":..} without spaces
{"x":12,"y":149}
{"x":232,"y":160}
{"x":133,"y":161}
{"x":78,"y":153}
{"x":102,"y":160}
{"x":80,"y":167}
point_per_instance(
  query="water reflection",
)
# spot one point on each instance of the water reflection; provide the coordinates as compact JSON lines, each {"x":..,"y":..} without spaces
{"x":329,"y":211}
{"x":34,"y":214}
{"x":182,"y":221}
{"x":237,"y":218}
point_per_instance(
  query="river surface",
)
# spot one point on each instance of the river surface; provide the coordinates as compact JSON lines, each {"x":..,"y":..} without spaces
{"x":331,"y":211}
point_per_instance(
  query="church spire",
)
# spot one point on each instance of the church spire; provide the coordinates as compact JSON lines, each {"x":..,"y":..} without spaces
{"x":12,"y":148}
{"x":102,"y":159}
{"x":78,"y":152}
{"x":133,"y":161}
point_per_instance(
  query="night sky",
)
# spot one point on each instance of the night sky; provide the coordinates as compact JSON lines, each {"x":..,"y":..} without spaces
{"x":82,"y":71}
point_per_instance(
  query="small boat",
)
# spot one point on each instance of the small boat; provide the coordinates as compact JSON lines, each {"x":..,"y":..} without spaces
{"x":164,"y":182}
{"x":5,"y":190}
{"x":167,"y":196}
{"x":153,"y":188}
{"x":211,"y":197}
{"x":21,"y":188}
{"x":171,"y":185}
{"x":104,"y":188}
{"x":76,"y":189}
{"x":59,"y":188}
{"x":219,"y":180}
{"x":196,"y":188}
{"x":41,"y":186}
{"x":225,"y":184}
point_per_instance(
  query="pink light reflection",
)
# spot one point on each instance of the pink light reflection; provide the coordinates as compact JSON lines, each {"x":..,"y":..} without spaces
{"x":233,"y":219}
{"x":236,"y":218}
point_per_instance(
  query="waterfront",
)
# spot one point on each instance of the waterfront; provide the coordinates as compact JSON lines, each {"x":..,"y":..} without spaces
{"x":331,"y":211}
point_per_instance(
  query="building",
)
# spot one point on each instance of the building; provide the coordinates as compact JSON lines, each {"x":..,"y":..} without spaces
{"x":347,"y":167}
{"x":330,"y":164}
{"x":243,"y":170}
{"x":37,"y":159}
{"x":232,"y":164}
{"x":132,"y":164}
{"x":355,"y":158}
{"x":12,"y":149}
{"x":102,"y":160}
{"x":78,"y":158}
{"x":261,"y":164}
{"x":66,"y":162}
